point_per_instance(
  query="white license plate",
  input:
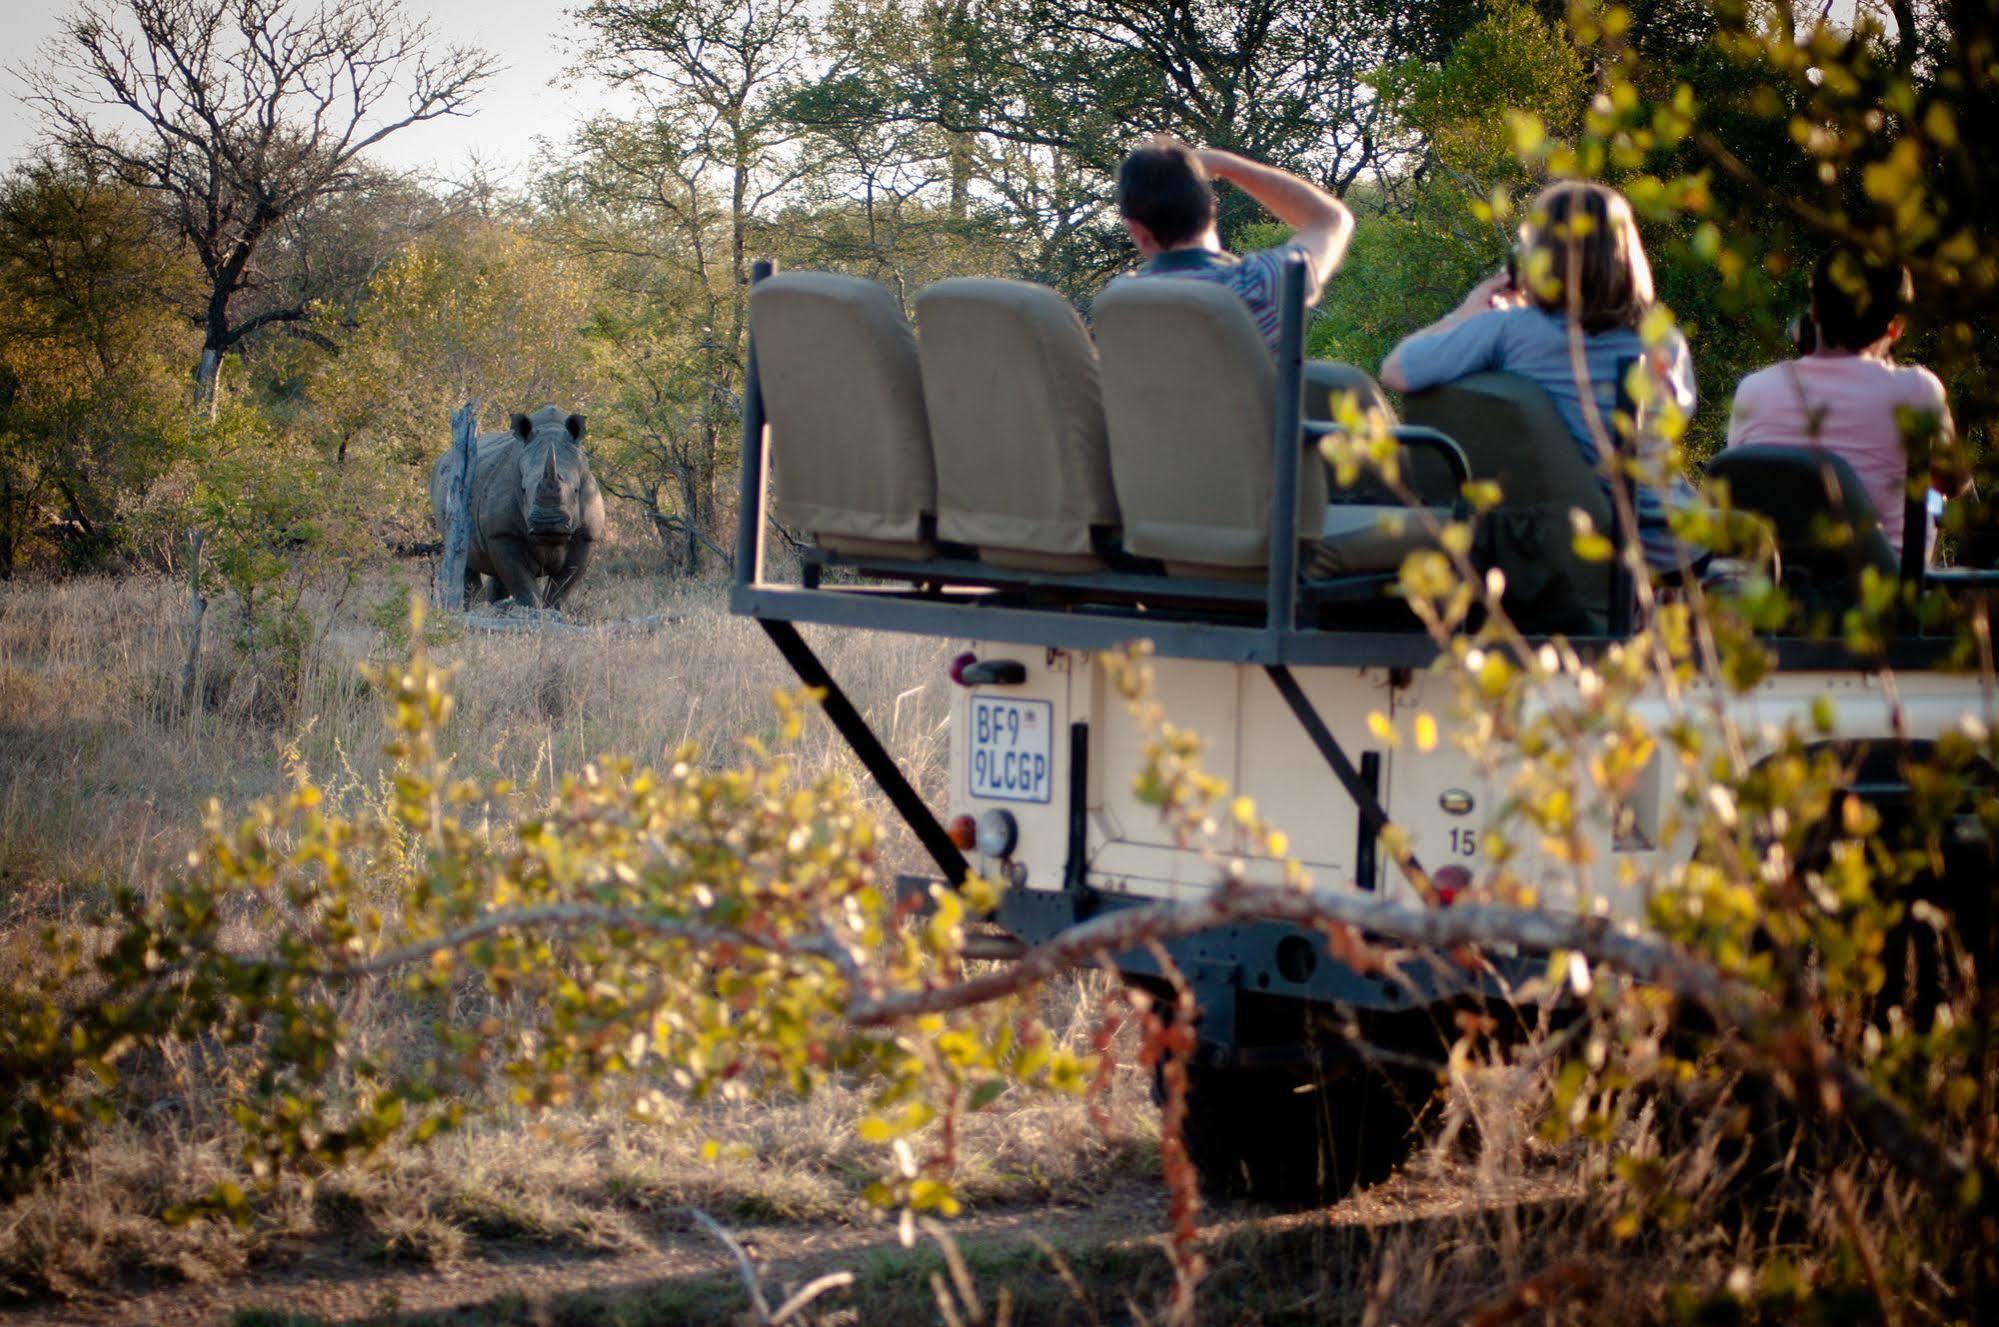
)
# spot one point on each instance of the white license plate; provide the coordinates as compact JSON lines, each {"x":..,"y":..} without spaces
{"x":1013,"y":748}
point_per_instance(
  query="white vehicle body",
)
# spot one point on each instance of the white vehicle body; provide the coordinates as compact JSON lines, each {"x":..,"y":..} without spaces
{"x":1011,"y":751}
{"x":1051,"y":492}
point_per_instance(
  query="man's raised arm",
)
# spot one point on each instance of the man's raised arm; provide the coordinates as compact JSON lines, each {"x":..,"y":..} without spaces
{"x":1321,"y":223}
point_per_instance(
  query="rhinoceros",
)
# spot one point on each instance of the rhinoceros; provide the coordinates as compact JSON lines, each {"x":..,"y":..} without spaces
{"x":536,"y":509}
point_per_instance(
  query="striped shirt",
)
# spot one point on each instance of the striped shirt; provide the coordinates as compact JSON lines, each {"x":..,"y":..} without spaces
{"x":1256,"y":278}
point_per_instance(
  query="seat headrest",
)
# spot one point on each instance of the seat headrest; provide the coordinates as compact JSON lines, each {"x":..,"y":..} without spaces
{"x":1190,"y":396}
{"x":1016,"y":418}
{"x":1801,"y":491}
{"x":844,"y":397}
{"x":1511,"y":432}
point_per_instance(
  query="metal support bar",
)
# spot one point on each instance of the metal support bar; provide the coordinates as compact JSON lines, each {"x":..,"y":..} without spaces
{"x":861,"y":739}
{"x":1373,"y":819}
{"x":750,"y":502}
{"x":1286,"y":446}
{"x":1366,"y":860}
{"x":1076,"y":870}
{"x":1915,"y":556}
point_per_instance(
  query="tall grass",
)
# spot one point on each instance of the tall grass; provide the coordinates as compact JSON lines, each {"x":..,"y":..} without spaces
{"x":102,"y":776}
{"x":102,"y":771}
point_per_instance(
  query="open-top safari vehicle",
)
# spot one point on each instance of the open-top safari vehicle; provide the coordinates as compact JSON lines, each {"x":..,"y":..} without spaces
{"x":1010,"y":481}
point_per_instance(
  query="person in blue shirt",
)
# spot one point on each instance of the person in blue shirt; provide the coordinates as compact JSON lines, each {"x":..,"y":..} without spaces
{"x":1567,"y":316}
{"x":1167,"y":201}
{"x":1166,"y":198}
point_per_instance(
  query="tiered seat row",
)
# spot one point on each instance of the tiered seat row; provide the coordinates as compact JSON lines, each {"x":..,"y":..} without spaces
{"x":1006,"y":435}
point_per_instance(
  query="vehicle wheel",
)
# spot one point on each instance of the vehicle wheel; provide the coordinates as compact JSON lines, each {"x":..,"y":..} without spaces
{"x":1283,"y":1137}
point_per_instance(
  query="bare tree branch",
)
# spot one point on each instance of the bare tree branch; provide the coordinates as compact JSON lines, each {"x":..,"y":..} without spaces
{"x":239,"y":114}
{"x":1790,"y":1043}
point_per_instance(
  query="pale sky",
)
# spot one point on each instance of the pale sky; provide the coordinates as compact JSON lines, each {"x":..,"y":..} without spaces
{"x":525,"y":100}
{"x":530,"y":98}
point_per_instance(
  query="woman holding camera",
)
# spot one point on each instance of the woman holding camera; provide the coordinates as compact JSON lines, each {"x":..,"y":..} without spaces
{"x":1567,"y":316}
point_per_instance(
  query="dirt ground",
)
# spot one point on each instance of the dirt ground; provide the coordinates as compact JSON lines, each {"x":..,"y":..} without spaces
{"x":319,"y":1283}
{"x":1111,"y":1246}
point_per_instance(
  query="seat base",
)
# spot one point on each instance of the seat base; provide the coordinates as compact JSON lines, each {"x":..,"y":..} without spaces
{"x":858,"y":546}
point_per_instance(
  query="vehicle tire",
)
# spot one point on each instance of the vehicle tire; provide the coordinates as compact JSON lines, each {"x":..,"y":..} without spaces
{"x":1287,"y":1138}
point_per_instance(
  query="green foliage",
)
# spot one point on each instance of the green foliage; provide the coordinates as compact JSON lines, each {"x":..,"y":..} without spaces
{"x":91,"y":393}
{"x":1401,"y":272}
{"x":690,"y":929}
{"x":1512,"y":62}
{"x":481,"y":312}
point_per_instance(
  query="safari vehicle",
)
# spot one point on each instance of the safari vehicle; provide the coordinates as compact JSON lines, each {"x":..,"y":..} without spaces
{"x":1011,"y":482}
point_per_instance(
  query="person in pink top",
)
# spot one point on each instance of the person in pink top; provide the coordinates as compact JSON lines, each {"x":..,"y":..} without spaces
{"x":1847,"y":394}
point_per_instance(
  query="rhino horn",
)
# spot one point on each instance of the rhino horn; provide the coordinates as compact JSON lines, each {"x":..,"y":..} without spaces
{"x":549,"y":480}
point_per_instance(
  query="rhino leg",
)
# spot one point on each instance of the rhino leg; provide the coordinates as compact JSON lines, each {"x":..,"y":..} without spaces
{"x":564,"y":581}
{"x":517,"y":572}
{"x":472,"y":583}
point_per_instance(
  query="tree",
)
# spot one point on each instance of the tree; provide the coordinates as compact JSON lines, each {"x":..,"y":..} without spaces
{"x":1423,"y":241}
{"x":238,"y":116}
{"x":1038,"y":102}
{"x":674,"y":197}
{"x":479,"y":310}
{"x":712,"y":74}
{"x":90,"y":412}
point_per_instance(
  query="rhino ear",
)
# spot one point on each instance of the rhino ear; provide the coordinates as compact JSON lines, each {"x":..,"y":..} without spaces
{"x":575,"y":426}
{"x":523,"y":427}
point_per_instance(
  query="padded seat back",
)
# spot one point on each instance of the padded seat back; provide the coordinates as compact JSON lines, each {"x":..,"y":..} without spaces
{"x":1512,"y":434}
{"x":843,"y":393}
{"x":1827,"y":528}
{"x":1189,"y":391}
{"x":1017,"y":423}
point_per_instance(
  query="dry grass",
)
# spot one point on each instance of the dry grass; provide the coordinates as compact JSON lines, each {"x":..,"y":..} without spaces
{"x":103,"y":776}
{"x":100,"y":780}
{"x":103,"y":779}
{"x":1490,"y":1223}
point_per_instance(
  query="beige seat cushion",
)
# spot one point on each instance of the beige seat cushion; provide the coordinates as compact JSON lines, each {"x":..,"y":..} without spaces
{"x":843,"y":393}
{"x":1016,"y":421}
{"x":1189,"y":389}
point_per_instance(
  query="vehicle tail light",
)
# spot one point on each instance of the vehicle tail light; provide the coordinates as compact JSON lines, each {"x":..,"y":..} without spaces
{"x":1449,"y":882}
{"x":969,"y":670}
{"x":964,"y":832}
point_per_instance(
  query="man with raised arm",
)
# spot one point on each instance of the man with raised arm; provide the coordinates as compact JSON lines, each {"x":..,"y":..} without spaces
{"x":1165,"y":195}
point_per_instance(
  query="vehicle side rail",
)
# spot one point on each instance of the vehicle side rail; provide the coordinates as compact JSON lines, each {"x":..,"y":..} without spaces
{"x":1415,"y":437}
{"x":1140,"y":587}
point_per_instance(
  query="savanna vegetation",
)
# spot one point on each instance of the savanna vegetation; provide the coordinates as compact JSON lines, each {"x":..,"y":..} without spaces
{"x":434,"y":974}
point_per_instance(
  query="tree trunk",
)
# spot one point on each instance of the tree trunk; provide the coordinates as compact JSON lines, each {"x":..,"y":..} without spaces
{"x":690,"y":515}
{"x":449,"y":592}
{"x":959,"y":155}
{"x":207,"y":375}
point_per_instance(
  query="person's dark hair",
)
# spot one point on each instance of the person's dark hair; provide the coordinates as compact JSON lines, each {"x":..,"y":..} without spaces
{"x":1855,"y":297}
{"x":1163,"y":187}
